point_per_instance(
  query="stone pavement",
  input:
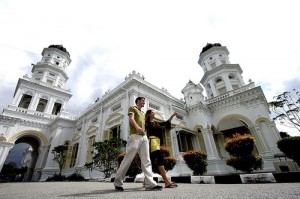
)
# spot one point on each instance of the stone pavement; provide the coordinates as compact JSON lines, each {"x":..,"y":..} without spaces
{"x":45,"y":190}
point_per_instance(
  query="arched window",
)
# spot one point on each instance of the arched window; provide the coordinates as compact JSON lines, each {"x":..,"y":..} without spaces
{"x":218,"y":80}
{"x":231,"y":76}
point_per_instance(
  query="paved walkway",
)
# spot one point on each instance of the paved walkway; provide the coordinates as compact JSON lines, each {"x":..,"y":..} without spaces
{"x":45,"y":190}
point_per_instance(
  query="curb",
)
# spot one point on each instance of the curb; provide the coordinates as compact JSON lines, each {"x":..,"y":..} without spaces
{"x":284,"y":177}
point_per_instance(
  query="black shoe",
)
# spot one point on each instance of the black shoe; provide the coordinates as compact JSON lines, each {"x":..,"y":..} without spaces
{"x":119,"y":188}
{"x":156,"y":188}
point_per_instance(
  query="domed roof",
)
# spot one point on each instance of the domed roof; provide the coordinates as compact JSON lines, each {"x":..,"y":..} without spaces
{"x":209,"y":46}
{"x":60,"y":47}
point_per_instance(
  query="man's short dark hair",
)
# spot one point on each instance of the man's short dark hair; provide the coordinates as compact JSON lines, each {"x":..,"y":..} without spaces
{"x":138,"y":98}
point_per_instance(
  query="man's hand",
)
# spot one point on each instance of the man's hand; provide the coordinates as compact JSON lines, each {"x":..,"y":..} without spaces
{"x":140,"y":131}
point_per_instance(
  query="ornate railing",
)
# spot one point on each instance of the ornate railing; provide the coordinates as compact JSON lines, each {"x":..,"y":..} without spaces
{"x":61,"y":114}
{"x":231,"y":93}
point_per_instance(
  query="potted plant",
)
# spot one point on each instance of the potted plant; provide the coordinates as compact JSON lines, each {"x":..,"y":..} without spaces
{"x":240,"y":147}
{"x":196,"y":161}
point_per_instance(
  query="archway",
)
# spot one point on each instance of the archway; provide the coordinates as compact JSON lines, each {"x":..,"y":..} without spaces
{"x":228,"y":126}
{"x":234,"y":124}
{"x":37,"y":142}
{"x":34,"y":144}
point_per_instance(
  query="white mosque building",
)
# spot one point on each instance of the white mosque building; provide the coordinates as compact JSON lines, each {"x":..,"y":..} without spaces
{"x":38,"y":116}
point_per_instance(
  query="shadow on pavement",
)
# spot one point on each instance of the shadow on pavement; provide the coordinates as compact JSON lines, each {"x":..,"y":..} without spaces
{"x":103,"y":192}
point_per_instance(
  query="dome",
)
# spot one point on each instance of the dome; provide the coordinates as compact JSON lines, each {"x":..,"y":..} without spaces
{"x":60,"y":47}
{"x":209,"y":46}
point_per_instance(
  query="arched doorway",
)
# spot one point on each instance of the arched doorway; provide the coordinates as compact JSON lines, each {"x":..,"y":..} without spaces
{"x":14,"y":166}
{"x":38,"y":152}
{"x":228,"y":126}
{"x":34,"y":153}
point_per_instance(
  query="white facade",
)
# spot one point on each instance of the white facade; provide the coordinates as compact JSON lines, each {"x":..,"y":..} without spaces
{"x":38,"y":115}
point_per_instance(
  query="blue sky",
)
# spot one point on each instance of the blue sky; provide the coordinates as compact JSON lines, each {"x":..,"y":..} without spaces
{"x":161,"y":39}
{"x":16,"y":154}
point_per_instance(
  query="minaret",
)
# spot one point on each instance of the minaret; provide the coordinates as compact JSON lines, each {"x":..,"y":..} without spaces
{"x":51,"y":69}
{"x":43,"y":94}
{"x":220,"y":76}
{"x":192,"y":94}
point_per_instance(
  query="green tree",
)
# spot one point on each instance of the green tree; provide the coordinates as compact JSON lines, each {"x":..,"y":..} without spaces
{"x":286,"y":108}
{"x":290,"y":146}
{"x":105,"y":157}
{"x":283,"y":134}
{"x":10,"y":172}
{"x":59,"y":157}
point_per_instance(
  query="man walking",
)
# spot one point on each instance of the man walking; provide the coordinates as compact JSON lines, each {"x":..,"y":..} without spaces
{"x":137,"y":143}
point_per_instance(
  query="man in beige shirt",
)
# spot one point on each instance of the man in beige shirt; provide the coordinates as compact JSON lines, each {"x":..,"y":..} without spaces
{"x":137,"y":143}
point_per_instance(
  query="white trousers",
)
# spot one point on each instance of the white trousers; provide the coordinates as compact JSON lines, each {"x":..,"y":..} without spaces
{"x":136,"y":144}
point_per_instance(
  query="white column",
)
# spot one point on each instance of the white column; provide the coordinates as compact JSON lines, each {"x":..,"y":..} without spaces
{"x":227,"y":82}
{"x":49,"y":106}
{"x":54,"y":143}
{"x":100,"y":125}
{"x":82,"y":145}
{"x":43,"y":152}
{"x":17,"y":97}
{"x":125,"y":122}
{"x":242,"y":83}
{"x":209,"y":145}
{"x":213,"y":144}
{"x":4,"y":150}
{"x":43,"y":79}
{"x":222,"y":148}
{"x":64,"y":106}
{"x":256,"y":132}
{"x":56,"y":81}
{"x":34,"y":102}
{"x":269,"y":136}
{"x":213,"y":89}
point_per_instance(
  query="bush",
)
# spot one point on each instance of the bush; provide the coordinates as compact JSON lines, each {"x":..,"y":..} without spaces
{"x":10,"y":172}
{"x":56,"y":177}
{"x":290,"y":146}
{"x":246,"y":164}
{"x":164,"y":151}
{"x":196,"y":161}
{"x":76,"y":177}
{"x":135,"y":167}
{"x":240,"y":148}
{"x":169,"y":161}
{"x":239,"y":145}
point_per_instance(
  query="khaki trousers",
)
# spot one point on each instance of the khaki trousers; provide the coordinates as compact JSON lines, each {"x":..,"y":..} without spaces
{"x":136,"y":144}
